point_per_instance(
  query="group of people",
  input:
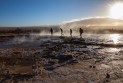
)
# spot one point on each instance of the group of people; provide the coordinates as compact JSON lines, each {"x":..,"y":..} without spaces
{"x":80,"y":31}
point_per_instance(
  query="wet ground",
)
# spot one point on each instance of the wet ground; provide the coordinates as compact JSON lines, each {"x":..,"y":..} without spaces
{"x":61,"y":60}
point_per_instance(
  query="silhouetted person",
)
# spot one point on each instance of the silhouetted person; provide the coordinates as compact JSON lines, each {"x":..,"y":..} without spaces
{"x":61,"y":31}
{"x":80,"y":31}
{"x":51,"y":30}
{"x":71,"y":32}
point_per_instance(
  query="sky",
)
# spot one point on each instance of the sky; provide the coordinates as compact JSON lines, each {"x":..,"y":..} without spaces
{"x":49,"y":12}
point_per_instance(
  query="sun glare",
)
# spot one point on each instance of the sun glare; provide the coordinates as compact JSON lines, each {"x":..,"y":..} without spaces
{"x":116,"y":11}
{"x":115,"y":38}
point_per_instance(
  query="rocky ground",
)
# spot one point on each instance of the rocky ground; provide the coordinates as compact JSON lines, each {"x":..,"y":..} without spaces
{"x":62,"y":60}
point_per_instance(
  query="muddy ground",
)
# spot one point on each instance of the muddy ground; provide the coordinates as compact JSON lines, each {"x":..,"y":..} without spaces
{"x":62,"y":60}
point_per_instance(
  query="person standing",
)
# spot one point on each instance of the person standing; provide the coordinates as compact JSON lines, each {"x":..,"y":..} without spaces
{"x":51,"y":31}
{"x":71,"y":32}
{"x":61,"y":31}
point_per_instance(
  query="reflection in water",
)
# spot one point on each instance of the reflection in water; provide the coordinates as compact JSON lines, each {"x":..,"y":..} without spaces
{"x":115,"y":38}
{"x":114,"y":50}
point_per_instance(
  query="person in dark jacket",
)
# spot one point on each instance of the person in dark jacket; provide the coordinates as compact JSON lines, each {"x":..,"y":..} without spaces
{"x":71,"y":32}
{"x":81,"y":32}
{"x":51,"y":31}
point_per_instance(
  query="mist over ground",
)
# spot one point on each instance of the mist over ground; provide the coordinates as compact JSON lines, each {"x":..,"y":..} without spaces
{"x":89,"y":25}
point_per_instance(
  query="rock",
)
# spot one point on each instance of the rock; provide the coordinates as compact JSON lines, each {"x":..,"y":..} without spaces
{"x":90,"y":66}
{"x":49,"y":68}
{"x":94,"y":66}
{"x":107,"y":75}
{"x":75,"y":61}
{"x":63,"y":58}
{"x":51,"y":62}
